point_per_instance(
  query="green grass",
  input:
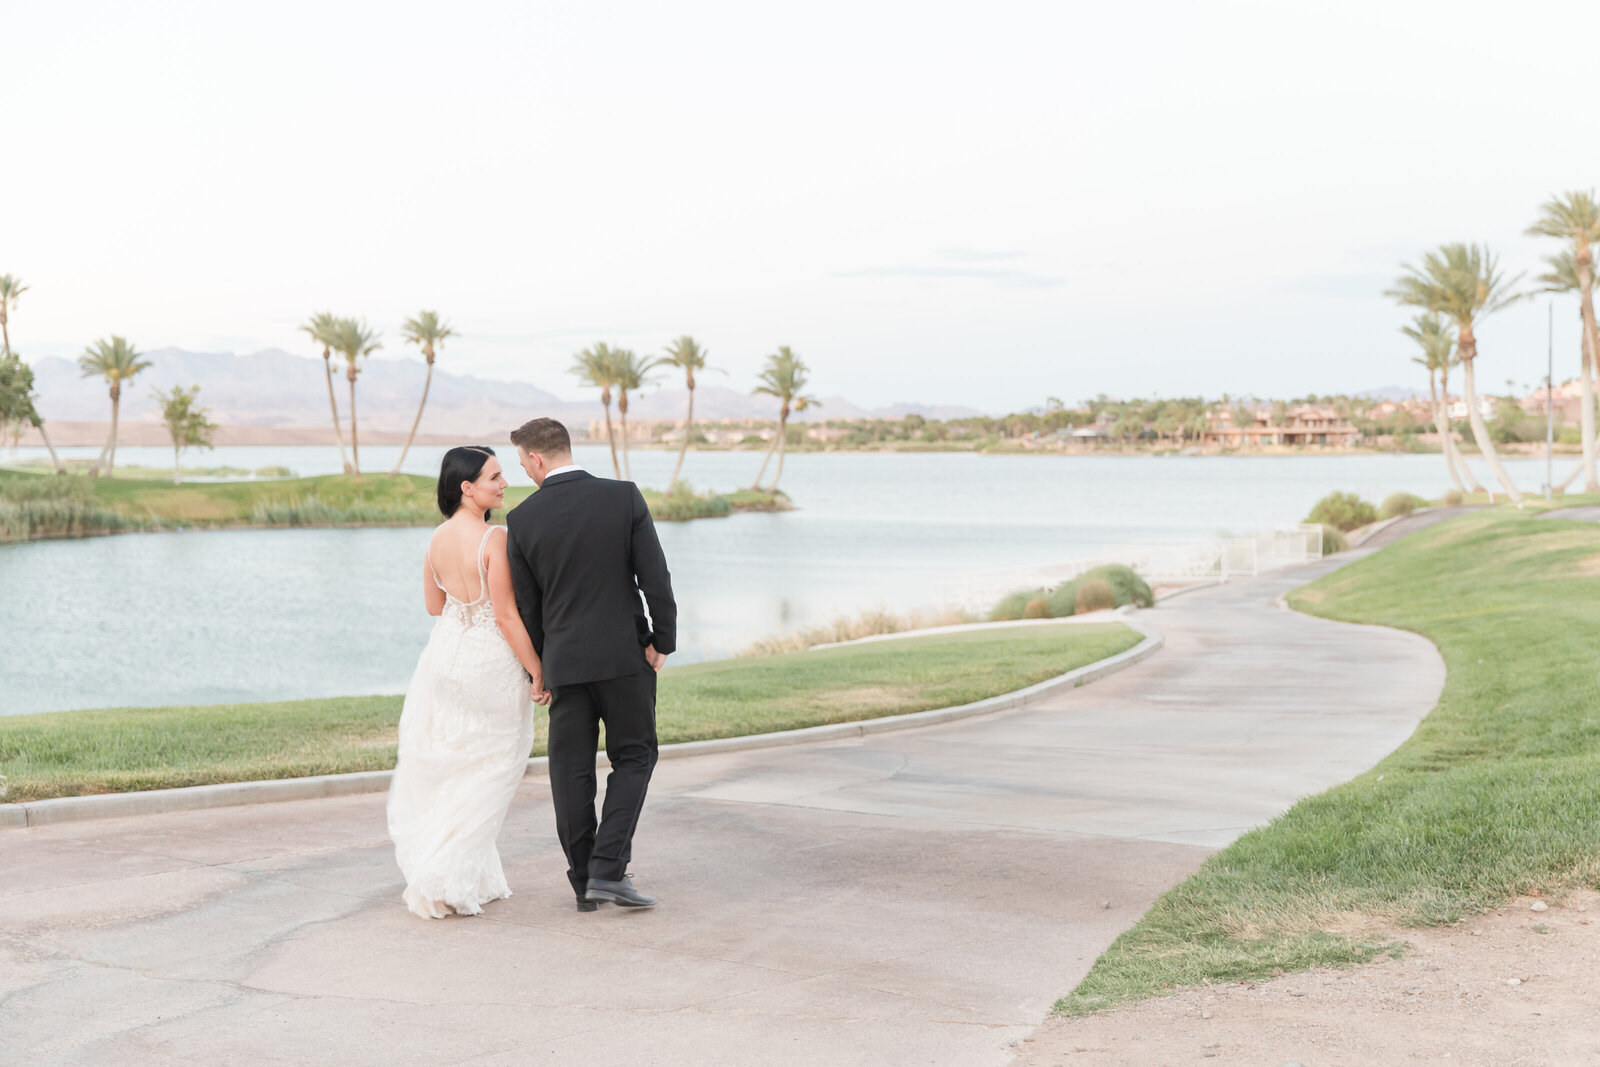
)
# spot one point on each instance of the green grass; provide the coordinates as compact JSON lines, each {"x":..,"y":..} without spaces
{"x":77,"y":752}
{"x":110,"y":505}
{"x":1496,"y":794}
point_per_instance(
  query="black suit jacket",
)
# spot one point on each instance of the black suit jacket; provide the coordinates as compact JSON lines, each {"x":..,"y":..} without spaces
{"x":582,"y":549}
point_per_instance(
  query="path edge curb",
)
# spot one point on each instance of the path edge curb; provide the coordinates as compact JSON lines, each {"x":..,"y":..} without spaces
{"x":233,"y":794}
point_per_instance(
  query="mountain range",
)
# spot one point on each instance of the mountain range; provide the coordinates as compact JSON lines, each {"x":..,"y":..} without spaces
{"x":278,"y":389}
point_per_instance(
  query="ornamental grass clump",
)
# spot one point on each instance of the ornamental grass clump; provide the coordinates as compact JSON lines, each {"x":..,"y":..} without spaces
{"x":1333,"y":540}
{"x":682,"y":504}
{"x":1396,"y":504}
{"x":1093,"y":595}
{"x":38,"y":507}
{"x":1114,"y":585}
{"x":1343,"y":510}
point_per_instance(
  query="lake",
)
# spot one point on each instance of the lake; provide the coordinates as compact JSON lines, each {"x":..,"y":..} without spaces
{"x":211,"y":617}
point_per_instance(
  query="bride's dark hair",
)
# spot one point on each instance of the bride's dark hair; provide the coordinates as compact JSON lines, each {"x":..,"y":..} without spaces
{"x":461,"y":464}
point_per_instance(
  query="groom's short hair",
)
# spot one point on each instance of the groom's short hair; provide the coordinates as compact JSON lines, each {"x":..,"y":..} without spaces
{"x":546,"y":437}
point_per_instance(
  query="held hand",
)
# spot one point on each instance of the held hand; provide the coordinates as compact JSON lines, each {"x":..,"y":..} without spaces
{"x":537,"y":691}
{"x":654,"y":658}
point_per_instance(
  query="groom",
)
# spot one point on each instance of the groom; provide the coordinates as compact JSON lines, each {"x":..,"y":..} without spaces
{"x":582,"y":549}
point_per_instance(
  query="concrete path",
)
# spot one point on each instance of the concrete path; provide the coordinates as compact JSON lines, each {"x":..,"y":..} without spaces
{"x":910,"y":898}
{"x":1585,"y":513}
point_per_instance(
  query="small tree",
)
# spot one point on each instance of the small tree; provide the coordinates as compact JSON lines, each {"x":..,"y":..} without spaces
{"x":187,"y":422}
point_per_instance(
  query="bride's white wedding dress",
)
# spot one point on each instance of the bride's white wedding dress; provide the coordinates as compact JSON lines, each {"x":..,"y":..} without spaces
{"x":465,"y":734}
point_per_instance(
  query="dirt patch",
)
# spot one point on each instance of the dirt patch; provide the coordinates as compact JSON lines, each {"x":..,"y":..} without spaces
{"x":1512,"y":988}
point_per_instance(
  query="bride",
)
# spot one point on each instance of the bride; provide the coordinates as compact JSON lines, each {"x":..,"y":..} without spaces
{"x":467,"y":726}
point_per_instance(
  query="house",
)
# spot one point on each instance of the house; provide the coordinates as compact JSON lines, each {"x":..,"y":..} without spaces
{"x":1307,"y":424}
{"x":1456,"y":407}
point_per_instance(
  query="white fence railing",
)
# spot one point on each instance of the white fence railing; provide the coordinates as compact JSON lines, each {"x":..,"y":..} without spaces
{"x":1159,"y":564}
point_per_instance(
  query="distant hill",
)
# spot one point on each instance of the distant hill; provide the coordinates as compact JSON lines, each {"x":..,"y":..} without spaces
{"x":274,"y":388}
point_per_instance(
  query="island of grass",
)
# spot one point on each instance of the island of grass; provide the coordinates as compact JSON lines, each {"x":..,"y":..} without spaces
{"x":1497,"y":794}
{"x":72,"y":753}
{"x":38,"y":506}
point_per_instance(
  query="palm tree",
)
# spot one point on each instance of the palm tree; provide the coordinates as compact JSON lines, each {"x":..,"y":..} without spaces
{"x":596,"y":366}
{"x":632,"y":372}
{"x":322,"y":328}
{"x":355,"y":342}
{"x":687,"y":355}
{"x":11,"y":288}
{"x":1438,"y":349}
{"x":1463,"y":283}
{"x":784,"y":376}
{"x":425,"y":330}
{"x":1575,"y":217}
{"x":116,"y":361}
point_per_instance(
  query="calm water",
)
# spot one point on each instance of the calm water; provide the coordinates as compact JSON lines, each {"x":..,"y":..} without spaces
{"x":150,"y":619}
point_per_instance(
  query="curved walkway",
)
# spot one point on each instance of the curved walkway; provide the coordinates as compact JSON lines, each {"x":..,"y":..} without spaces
{"x":914,"y":897}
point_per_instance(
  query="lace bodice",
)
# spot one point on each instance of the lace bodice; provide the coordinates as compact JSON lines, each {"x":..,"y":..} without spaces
{"x":479,"y":612}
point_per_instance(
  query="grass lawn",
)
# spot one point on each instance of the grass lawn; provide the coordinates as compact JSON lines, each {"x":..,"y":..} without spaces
{"x":114,"y":750}
{"x":1496,"y":794}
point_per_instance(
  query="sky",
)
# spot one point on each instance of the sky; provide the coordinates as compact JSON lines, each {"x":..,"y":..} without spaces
{"x":981,"y":204}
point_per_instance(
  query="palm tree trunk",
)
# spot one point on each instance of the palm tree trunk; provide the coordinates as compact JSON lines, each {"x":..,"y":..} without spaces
{"x":415,"y":422}
{"x":1450,"y":436}
{"x":1460,"y":461}
{"x":1586,"y":418}
{"x":1561,"y":486}
{"x":622,"y":411}
{"x":1480,"y":432}
{"x":762,"y":473}
{"x":338,"y":434}
{"x":688,"y":429}
{"x":355,"y":443}
{"x":783,"y":448}
{"x":176,"y":458}
{"x":1444,"y":431}
{"x":111,"y":446}
{"x":50,"y":448}
{"x":611,"y":438}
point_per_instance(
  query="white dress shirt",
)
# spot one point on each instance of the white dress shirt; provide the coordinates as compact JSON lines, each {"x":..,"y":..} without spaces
{"x":568,"y":469}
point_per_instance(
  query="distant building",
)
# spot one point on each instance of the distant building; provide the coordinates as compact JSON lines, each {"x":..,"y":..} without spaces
{"x":1307,"y":424}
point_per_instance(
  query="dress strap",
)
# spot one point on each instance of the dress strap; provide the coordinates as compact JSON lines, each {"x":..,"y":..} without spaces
{"x":483,"y":563}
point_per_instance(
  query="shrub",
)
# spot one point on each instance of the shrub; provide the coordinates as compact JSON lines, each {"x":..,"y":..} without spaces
{"x":682,"y":504}
{"x":1344,"y":510}
{"x":1400,"y":504}
{"x":1333,"y":540}
{"x":1452,"y":499}
{"x":1036,"y":609}
{"x":1014,"y":605}
{"x":1126,"y":585}
{"x":274,"y":472}
{"x":1094,"y":594}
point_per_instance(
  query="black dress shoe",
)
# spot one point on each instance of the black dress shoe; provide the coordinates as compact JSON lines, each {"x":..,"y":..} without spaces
{"x":620,"y":893}
{"x":588,"y":905}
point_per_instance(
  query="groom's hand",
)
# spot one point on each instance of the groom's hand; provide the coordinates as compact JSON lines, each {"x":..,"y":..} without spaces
{"x":654,"y":658}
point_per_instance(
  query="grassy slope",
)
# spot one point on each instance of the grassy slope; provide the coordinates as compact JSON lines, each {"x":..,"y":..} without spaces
{"x":1496,"y":794}
{"x":73,"y":752}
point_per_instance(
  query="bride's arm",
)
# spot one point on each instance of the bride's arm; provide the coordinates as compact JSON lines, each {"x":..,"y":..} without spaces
{"x":506,"y":614}
{"x":432,"y":595}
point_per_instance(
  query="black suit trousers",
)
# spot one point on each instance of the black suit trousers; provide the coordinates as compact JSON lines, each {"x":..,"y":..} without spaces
{"x":627,"y":706}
